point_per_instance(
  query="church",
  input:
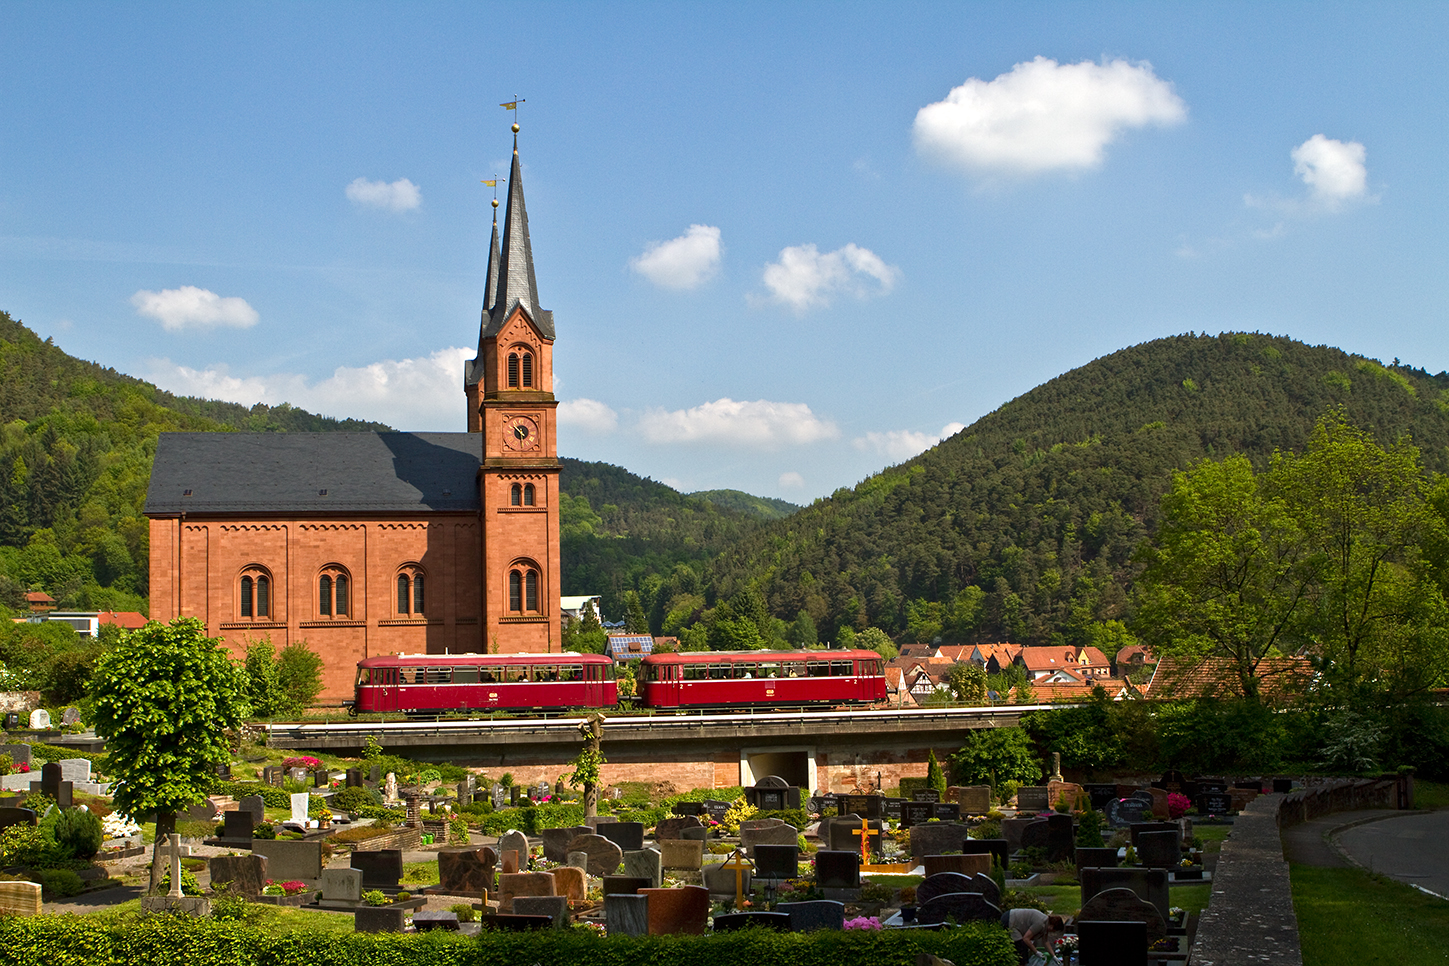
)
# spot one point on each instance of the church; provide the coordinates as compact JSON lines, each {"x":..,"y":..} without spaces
{"x":364,"y":544}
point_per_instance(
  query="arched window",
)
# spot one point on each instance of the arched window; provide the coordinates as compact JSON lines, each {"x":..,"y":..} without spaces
{"x":528,"y":370}
{"x":528,"y":495}
{"x":512,"y":370}
{"x":254,"y":593}
{"x":523,"y":591}
{"x":411,"y":600}
{"x":515,"y":496}
{"x":333,"y":591}
{"x":515,"y":591}
{"x":530,"y":590}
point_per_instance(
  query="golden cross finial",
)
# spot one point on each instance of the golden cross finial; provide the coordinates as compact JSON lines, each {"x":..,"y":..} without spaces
{"x":739,"y":864}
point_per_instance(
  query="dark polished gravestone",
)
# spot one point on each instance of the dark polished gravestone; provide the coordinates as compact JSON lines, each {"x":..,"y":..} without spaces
{"x":866,"y":806}
{"x":1214,"y":803}
{"x":772,"y":794}
{"x":958,"y":907}
{"x":925,"y":795}
{"x":715,"y":809}
{"x":778,"y":921}
{"x":513,"y":922}
{"x":628,"y":836}
{"x":9,"y":815}
{"x":987,"y":886}
{"x":946,"y":812}
{"x":845,"y":836}
{"x":814,"y":914}
{"x":837,"y":870}
{"x":1061,"y":838}
{"x":687,"y":808}
{"x":1100,"y":795}
{"x":673,"y":828}
{"x":1034,"y":836}
{"x":681,"y":911}
{"x":996,"y":848}
{"x":625,"y":885}
{"x":53,"y":784}
{"x":425,"y":921}
{"x":1096,"y":859}
{"x":626,"y":915}
{"x":937,"y":838}
{"x":1150,"y":885}
{"x":1160,"y":850}
{"x":1123,"y":812}
{"x":1111,"y":943}
{"x":1137,"y":828}
{"x":1123,"y":905}
{"x":237,"y":825}
{"x":915,"y":813}
{"x":556,"y":841}
{"x":777,"y":861}
{"x":944,"y":883}
{"x":381,"y":867}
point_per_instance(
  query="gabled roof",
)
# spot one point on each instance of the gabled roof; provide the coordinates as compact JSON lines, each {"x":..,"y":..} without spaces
{"x":315,"y":473}
{"x":1094,"y":657}
{"x":128,"y":619}
{"x":1134,"y":653}
{"x":1047,"y":658}
{"x":517,"y":287}
{"x":1281,"y":678}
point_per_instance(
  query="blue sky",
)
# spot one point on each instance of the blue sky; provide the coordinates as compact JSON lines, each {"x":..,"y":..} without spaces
{"x":785,"y":244}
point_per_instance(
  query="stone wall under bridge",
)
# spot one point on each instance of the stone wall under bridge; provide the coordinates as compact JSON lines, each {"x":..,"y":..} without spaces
{"x":823,"y":751}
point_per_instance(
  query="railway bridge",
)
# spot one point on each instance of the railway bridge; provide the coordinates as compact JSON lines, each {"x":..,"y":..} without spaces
{"x":828,"y":751}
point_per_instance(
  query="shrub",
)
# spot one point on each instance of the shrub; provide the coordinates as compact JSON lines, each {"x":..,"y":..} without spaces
{"x":189,"y":885}
{"x":464,"y":912}
{"x":61,"y":883}
{"x":78,"y":834}
{"x":1089,"y":831}
{"x":264,"y":830}
{"x":374,"y":897}
{"x":992,"y":756}
{"x":351,"y":799}
{"x":26,"y":845}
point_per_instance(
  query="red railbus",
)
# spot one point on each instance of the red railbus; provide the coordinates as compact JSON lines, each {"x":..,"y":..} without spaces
{"x":726,"y":679}
{"x":434,"y":683}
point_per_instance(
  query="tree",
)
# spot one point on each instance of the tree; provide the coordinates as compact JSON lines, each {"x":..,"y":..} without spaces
{"x":587,"y":764}
{"x":635,"y":620}
{"x":935,"y":777}
{"x":1230,"y":572}
{"x":299,"y":677}
{"x":263,"y":689}
{"x":164,"y":700}
{"x":803,"y":633}
{"x":967,"y":682}
{"x":875,"y":639}
{"x":992,"y":756}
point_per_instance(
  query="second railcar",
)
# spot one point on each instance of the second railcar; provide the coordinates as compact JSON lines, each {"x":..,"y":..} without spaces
{"x":436,"y":683}
{"x":726,"y":679}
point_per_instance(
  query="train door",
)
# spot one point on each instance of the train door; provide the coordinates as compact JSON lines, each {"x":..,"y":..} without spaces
{"x":594,"y":685}
{"x":388,"y":693}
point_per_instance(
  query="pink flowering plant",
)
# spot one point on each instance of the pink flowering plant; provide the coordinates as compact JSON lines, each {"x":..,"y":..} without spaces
{"x":303,"y":761}
{"x":863,"y":922}
{"x":1178,"y":804}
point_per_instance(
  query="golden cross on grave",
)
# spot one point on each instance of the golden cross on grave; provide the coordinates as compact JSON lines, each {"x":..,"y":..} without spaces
{"x":739,"y":864}
{"x":864,"y":834}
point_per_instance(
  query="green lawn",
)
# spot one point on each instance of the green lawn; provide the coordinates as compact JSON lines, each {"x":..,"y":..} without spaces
{"x":1430,"y":794}
{"x":1347,"y":917}
{"x":273,"y":919}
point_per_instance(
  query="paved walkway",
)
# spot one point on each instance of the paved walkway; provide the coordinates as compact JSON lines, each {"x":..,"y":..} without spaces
{"x":1308,"y":844}
{"x":1411,"y":847}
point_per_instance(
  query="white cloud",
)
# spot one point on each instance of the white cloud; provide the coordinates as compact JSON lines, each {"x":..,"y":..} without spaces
{"x":760,"y":424}
{"x":902,"y":444}
{"x":589,"y":415}
{"x":420,"y":394}
{"x":1043,"y":116}
{"x":791,"y":481}
{"x":189,"y":307}
{"x":1333,"y":170}
{"x":681,"y":263}
{"x":803,"y":278}
{"x":401,"y":195}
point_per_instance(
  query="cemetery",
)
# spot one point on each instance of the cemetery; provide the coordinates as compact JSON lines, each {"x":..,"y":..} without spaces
{"x":382,"y":844}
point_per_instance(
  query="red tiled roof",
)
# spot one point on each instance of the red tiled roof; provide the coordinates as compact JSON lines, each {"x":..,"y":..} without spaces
{"x":1093,"y":656}
{"x":1281,"y":678}
{"x":128,"y":619}
{"x":1047,"y":658}
{"x":39,"y":597}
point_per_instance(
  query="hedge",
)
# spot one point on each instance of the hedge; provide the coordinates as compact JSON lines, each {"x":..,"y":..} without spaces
{"x":163,"y":940}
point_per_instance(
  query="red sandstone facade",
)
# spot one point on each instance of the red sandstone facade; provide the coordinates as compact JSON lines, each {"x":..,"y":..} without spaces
{"x":354,"y":584}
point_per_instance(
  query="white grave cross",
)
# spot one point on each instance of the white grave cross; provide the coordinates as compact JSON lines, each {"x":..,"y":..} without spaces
{"x":177,"y":851}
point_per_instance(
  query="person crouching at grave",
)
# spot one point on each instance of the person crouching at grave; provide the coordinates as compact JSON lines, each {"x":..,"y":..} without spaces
{"x":1031,"y":929}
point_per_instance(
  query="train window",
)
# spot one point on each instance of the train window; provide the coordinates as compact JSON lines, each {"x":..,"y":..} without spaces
{"x":769,"y":670}
{"x":362,"y":676}
{"x":488,"y":675}
{"x":515,"y":672}
{"x":696,"y":672}
{"x":411,"y":675}
{"x":440,"y":675}
{"x":818,"y":669}
{"x":743,"y":670}
{"x":571,"y":672}
{"x":794,"y":670}
{"x":465,"y":675}
{"x":840,"y":669}
{"x":546,"y":672}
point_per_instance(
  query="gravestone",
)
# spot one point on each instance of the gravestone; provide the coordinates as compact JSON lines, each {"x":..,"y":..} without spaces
{"x":75,"y":769}
{"x":695,"y":834}
{"x":946,"y":812}
{"x":915,"y":813}
{"x":925,"y":795}
{"x":1099,"y":795}
{"x":375,"y":774}
{"x":1159,"y":850}
{"x":296,"y":774}
{"x":1124,"y":905}
{"x":626,"y":915}
{"x":20,"y":899}
{"x":715,"y":809}
{"x":625,"y":884}
{"x":866,"y":806}
{"x":1205,"y":784}
{"x":686,"y":808}
{"x":522,"y":884}
{"x":10,"y":815}
{"x":580,"y":861}
{"x":681,"y":854}
{"x":379,"y":868}
{"x":1094,"y":858}
{"x":301,"y":801}
{"x":70,"y":716}
{"x":778,"y":921}
{"x":772,"y":793}
{"x":255,"y":805}
{"x":672,"y":828}
{"x":1035,"y":835}
{"x":556,"y":841}
{"x":340,"y":886}
{"x":837,"y":870}
{"x":1122,"y":812}
{"x":223,"y":771}
{"x":958,"y":906}
{"x":1214,"y":803}
{"x":814,"y":914}
{"x":895,"y":808}
{"x":570,"y":883}
{"x":499,"y":795}
{"x":1242,"y":797}
{"x":628,"y":836}
{"x":289,"y":859}
{"x":246,"y":873}
{"x":777,"y":861}
{"x":1011,"y":829}
{"x":1061,"y":838}
{"x":237,"y":825}
{"x":202,"y":811}
{"x":646,"y":864}
{"x":555,"y":907}
{"x":467,"y":872}
{"x":321,"y":778}
{"x":40,"y":720}
{"x":604,"y":856}
{"x":509,"y":922}
{"x":1159,"y":804}
{"x":973,"y":799}
{"x":682,"y":911}
{"x":514,"y":841}
{"x":1150,"y":885}
{"x":721,"y":881}
{"x":465,"y":794}
{"x":1282,"y":786}
{"x":963,"y":864}
{"x":508,"y":861}
{"x":52,"y":783}
{"x":987,"y":886}
{"x":996,"y":848}
{"x":1112,"y":943}
{"x":937,"y":838}
{"x":943,"y":883}
{"x":425,"y":921}
{"x":11,"y":721}
{"x":354,"y":778}
{"x":1137,"y":828}
{"x":1032,"y":799}
{"x":781,"y":834}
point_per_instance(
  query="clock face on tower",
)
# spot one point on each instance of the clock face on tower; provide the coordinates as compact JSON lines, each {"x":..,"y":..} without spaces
{"x":520,"y":433}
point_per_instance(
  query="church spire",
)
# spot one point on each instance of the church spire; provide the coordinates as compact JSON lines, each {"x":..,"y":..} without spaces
{"x":490,"y":289}
{"x":517,"y":287}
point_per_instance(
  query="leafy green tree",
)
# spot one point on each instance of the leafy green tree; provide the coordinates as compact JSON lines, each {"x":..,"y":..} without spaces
{"x":694,"y":638}
{"x":635,"y":620}
{"x":967,"y":682}
{"x":164,"y":700}
{"x":299,"y":677}
{"x":875,"y":639}
{"x":1087,"y":736}
{"x":1230,"y":573}
{"x":802,"y":632}
{"x":735,"y":634}
{"x":935,"y":777}
{"x":263,"y":687}
{"x":846,"y":638}
{"x":991,"y":756}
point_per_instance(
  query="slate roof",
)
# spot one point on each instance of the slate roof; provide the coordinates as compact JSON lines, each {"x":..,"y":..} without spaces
{"x":315,"y":473}
{"x":517,"y":285}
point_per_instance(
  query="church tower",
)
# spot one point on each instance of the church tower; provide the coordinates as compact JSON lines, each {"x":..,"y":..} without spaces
{"x":511,"y":404}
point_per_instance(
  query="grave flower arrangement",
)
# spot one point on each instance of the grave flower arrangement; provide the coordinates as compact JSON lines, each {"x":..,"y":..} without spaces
{"x":1065,"y":947}
{"x":864,"y":922}
{"x":1178,"y":804}
{"x":302,"y":761}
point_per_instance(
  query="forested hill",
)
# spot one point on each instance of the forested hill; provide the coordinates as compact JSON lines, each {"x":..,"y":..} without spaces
{"x":761,"y":507}
{"x":76,"y":443}
{"x":1022,"y":526}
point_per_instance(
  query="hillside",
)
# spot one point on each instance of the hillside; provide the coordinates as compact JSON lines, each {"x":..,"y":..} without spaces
{"x":75,"y":456}
{"x":761,"y":507}
{"x":1023,"y":525}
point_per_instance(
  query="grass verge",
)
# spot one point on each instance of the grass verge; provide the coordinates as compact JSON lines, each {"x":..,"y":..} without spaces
{"x":1347,"y":917}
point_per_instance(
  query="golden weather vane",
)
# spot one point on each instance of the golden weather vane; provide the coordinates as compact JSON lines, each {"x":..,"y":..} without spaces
{"x":494,"y":185}
{"x":513,"y":106}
